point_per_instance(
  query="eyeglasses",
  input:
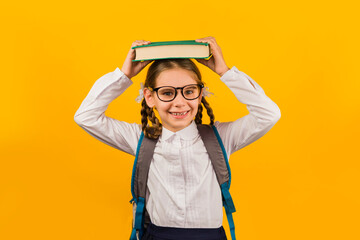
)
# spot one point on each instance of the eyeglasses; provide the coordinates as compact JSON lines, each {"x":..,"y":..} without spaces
{"x":169,"y":93}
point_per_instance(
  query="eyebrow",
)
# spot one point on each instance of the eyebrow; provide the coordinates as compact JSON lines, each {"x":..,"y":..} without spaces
{"x":178,"y":87}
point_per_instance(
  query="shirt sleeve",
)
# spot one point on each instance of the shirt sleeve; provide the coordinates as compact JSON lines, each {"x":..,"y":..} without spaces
{"x":264,"y":113}
{"x":91,"y":114}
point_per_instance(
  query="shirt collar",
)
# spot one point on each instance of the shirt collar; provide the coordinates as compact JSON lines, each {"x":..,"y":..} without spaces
{"x":188,"y":133}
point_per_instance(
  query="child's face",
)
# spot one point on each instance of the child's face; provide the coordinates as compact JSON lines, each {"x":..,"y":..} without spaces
{"x":176,"y":78}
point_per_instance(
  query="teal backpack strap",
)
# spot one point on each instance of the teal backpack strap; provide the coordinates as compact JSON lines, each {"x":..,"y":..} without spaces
{"x":144,"y":155}
{"x":229,"y":208}
{"x":219,"y":160}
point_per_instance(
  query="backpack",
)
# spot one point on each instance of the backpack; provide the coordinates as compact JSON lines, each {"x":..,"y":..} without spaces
{"x":144,"y":155}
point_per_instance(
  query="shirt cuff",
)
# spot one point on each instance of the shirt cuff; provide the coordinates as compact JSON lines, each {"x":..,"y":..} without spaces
{"x":228,"y":72}
{"x":118,"y":73}
{"x":235,"y":73}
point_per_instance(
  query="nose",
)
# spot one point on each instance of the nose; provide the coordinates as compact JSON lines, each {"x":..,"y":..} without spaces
{"x":179,"y":100}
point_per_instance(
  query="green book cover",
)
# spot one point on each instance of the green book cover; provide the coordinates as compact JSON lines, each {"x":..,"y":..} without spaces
{"x":183,"y":42}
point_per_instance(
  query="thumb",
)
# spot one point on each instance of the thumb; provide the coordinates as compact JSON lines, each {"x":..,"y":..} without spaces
{"x":145,"y":63}
{"x":202,"y":61}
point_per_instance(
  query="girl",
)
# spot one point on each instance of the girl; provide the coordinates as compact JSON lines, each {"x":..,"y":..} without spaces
{"x":184,"y":198}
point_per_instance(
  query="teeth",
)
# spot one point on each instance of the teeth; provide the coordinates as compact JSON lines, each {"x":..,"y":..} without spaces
{"x":179,"y":114}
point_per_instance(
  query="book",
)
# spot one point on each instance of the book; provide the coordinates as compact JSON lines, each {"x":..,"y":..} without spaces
{"x":172,"y":49}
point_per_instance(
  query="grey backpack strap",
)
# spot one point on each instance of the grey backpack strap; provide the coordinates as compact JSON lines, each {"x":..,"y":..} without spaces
{"x":215,"y":152}
{"x":219,"y":160}
{"x":145,"y":156}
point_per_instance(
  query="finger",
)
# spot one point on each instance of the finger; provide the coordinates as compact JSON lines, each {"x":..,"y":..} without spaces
{"x":211,"y":42}
{"x":205,"y":41}
{"x":144,"y":42}
{"x":140,"y":42}
{"x":206,"y":38}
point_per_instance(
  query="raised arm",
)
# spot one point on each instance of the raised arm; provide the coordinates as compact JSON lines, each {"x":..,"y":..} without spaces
{"x":264,"y":113}
{"x":91,"y":114}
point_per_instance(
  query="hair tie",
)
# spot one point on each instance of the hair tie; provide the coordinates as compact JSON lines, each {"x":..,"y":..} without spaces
{"x":141,"y":93}
{"x":206,"y":92}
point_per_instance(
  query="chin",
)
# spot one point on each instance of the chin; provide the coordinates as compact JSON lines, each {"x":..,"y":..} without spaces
{"x":179,"y":126}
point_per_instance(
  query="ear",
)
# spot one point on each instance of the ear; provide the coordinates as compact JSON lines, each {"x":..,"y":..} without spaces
{"x":149,"y":97}
{"x":201,"y":96}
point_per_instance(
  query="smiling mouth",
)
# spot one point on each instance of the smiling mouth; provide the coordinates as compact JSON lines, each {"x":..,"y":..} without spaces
{"x":179,"y":113}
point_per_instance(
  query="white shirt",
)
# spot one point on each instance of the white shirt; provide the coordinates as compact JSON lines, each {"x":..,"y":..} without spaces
{"x":182,"y":189}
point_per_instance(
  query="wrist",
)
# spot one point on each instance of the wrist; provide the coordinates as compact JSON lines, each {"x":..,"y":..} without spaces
{"x":221,"y":73}
{"x":127,"y":74}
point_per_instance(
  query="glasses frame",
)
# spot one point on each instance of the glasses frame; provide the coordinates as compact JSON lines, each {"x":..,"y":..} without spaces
{"x":176,"y":91}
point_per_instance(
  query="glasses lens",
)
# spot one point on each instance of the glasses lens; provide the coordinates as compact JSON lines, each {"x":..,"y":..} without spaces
{"x":166,"y":93}
{"x":191,"y":91}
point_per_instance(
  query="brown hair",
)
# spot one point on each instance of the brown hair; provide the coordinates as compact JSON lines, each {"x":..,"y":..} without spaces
{"x":147,"y":113}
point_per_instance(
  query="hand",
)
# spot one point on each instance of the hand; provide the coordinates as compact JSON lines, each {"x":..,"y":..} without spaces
{"x":216,"y":61}
{"x":130,"y":68}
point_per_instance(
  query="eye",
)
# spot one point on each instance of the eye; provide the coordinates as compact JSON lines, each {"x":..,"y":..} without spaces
{"x":190,"y":90}
{"x":168,"y":93}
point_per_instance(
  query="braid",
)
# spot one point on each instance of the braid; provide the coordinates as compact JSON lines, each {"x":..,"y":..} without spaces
{"x":198,"y":117}
{"x":208,"y":110}
{"x":144,"y":115}
{"x":156,"y":128}
{"x":147,"y":113}
{"x":154,"y":120}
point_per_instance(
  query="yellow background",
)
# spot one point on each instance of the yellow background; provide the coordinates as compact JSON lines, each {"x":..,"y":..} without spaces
{"x":299,"y":181}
